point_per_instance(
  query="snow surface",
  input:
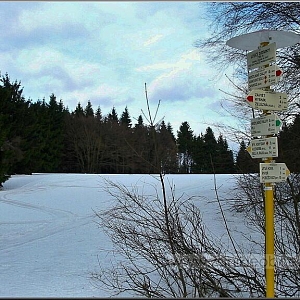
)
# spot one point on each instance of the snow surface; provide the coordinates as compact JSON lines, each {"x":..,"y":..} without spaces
{"x":50,"y":239}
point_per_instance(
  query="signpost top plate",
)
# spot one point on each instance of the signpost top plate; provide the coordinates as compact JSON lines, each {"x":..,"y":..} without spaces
{"x":251,"y":41}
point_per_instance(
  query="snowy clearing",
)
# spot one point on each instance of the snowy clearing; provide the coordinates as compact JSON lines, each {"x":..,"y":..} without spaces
{"x":50,"y":239}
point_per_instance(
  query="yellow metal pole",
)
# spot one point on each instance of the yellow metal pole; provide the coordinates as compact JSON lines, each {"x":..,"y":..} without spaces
{"x":269,"y":235}
{"x":269,"y":231}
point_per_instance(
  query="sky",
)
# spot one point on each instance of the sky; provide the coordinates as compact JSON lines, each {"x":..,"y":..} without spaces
{"x":105,"y":52}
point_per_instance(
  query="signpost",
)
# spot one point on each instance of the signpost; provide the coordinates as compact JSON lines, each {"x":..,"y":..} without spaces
{"x":273,"y":172}
{"x":264,"y":77}
{"x":265,"y":125}
{"x":267,"y":100}
{"x":263,"y":148}
{"x":261,"y":56}
{"x":250,"y":41}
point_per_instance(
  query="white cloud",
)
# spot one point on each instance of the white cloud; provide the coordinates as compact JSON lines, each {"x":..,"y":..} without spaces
{"x":106,"y":51}
{"x":101,"y":94}
{"x":187,"y":60}
{"x":54,"y":14}
{"x":181,"y":79}
{"x":47,"y":71}
{"x":156,"y":66}
{"x":153,"y":40}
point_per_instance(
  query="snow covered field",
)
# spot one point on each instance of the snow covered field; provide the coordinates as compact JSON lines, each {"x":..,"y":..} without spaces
{"x":50,"y":241}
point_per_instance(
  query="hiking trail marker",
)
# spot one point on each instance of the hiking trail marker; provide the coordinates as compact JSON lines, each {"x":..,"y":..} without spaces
{"x":262,"y":56}
{"x":263,"y":148}
{"x":273,"y":172}
{"x":265,"y":125}
{"x":267,"y":100}
{"x":262,"y":73}
{"x":264,"y":77}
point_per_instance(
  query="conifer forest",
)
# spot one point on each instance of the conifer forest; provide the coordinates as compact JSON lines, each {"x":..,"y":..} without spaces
{"x":45,"y":136}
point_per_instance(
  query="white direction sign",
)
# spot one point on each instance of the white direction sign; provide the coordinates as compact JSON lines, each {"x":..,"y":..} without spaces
{"x":267,"y":100}
{"x":264,"y":77}
{"x":263,"y":148}
{"x":265,"y":125}
{"x":273,"y":172}
{"x":262,"y":56}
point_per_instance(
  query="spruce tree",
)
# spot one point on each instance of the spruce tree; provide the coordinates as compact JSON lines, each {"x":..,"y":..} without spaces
{"x":210,"y":150}
{"x":170,"y":130}
{"x":44,"y":137}
{"x":79,"y":110}
{"x":185,"y":138}
{"x":244,"y":162}
{"x":125,"y":119}
{"x":289,"y":145}
{"x":56,"y":151}
{"x":4,"y":163}
{"x":140,"y":142}
{"x":112,"y":141}
{"x":34,"y":142}
{"x":88,"y":111}
{"x":199,"y":155}
{"x":140,"y":122}
{"x":126,"y":143}
{"x":113,"y":116}
{"x":166,"y":148}
{"x":13,"y":123}
{"x":224,"y":161}
{"x":99,"y":114}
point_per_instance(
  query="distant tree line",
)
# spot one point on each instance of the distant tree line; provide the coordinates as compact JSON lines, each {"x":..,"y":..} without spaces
{"x":46,"y":137}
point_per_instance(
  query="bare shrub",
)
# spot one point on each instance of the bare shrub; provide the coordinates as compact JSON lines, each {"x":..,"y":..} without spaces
{"x":163,"y":249}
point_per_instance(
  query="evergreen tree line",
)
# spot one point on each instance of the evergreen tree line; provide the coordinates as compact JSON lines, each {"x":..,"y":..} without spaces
{"x":46,"y":137}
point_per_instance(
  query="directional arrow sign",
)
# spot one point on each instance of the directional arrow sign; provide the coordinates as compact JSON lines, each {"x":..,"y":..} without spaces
{"x":263,"y":148}
{"x":273,"y":172}
{"x":262,"y":56}
{"x":266,"y":125}
{"x":267,"y":100}
{"x":264,"y":77}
